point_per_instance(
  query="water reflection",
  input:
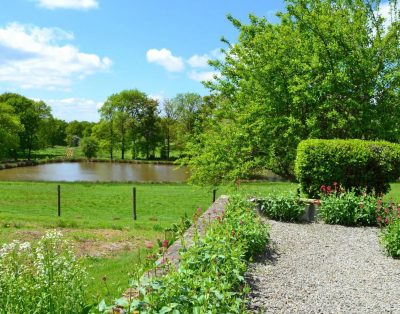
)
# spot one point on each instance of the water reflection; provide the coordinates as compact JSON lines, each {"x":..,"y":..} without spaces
{"x":96,"y":171}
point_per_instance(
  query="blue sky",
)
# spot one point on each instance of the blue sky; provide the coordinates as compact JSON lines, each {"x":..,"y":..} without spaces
{"x":73,"y":54}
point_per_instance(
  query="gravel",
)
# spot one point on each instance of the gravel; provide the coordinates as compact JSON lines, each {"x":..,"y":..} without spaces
{"x":318,"y":268}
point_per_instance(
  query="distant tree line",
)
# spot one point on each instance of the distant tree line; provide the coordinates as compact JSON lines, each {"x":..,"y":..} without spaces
{"x":130,"y":121}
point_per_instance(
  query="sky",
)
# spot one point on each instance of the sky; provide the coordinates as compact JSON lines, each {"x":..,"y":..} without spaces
{"x":74,"y":54}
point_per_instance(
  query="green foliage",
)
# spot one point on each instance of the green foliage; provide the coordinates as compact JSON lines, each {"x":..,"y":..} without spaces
{"x":282,"y":207}
{"x":45,"y":278}
{"x":348,"y":208}
{"x":10,"y":126}
{"x":209,"y":278}
{"x":31,"y":115}
{"x":326,"y":69}
{"x":89,"y":146}
{"x":390,"y":238}
{"x":352,"y":164}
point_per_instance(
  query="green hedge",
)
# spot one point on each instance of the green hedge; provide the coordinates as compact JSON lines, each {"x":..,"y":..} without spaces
{"x":353,"y":164}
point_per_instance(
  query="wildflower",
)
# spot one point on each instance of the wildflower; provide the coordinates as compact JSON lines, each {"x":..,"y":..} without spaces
{"x":386,"y":210}
{"x":379,"y":219}
{"x":329,"y":189}
{"x":148,"y":244}
{"x":386,"y":220}
{"x":335,"y":184}
{"x":165,"y":244}
{"x":323,"y":188}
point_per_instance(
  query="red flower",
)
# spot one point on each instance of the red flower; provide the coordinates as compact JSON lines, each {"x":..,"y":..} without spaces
{"x":165,"y":243}
{"x":329,"y":189}
{"x":335,"y":184}
{"x":323,"y":188}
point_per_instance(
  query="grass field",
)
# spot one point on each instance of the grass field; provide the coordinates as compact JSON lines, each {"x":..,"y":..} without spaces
{"x":97,"y":217}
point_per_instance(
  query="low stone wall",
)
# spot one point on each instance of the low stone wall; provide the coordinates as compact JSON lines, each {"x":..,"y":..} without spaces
{"x":172,"y":255}
{"x":311,"y":209}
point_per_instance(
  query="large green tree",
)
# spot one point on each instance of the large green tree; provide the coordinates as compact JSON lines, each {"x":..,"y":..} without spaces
{"x":132,"y":121}
{"x":10,"y":126}
{"x":327,"y":69}
{"x":31,"y":115}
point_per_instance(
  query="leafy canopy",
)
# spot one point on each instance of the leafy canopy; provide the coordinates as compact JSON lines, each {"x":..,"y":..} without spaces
{"x":327,"y":69}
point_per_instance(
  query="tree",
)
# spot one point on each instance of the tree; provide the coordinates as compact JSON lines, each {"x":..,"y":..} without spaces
{"x":328,"y":69}
{"x":10,"y":126}
{"x":131,"y":114}
{"x":89,"y":147}
{"x":31,"y":114}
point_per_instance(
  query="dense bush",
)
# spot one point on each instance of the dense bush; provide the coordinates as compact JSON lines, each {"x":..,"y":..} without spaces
{"x":89,"y":146}
{"x":282,"y":207}
{"x":390,"y":238}
{"x":45,"y":278}
{"x":354,"y":164}
{"x":209,"y":278}
{"x":348,"y":208}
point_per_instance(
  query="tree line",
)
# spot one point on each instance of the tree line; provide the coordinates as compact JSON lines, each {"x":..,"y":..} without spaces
{"x":130,"y":121}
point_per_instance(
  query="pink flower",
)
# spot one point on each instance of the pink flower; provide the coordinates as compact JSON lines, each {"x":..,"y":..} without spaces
{"x":165,"y":244}
{"x":329,"y":189}
{"x":335,"y":184}
{"x":323,"y":188}
{"x":149,"y":244}
{"x":386,"y":220}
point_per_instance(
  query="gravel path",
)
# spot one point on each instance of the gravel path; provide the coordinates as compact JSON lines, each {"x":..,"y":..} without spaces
{"x":318,"y":268}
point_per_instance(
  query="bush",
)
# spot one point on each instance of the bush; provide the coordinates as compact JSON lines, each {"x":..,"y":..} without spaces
{"x":354,"y":164}
{"x":348,"y":208}
{"x":282,"y":208}
{"x":390,"y":238}
{"x":209,"y":278}
{"x":89,"y":146}
{"x":45,"y":278}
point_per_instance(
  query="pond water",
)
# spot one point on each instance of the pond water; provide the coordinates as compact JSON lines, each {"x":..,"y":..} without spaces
{"x":96,"y":171}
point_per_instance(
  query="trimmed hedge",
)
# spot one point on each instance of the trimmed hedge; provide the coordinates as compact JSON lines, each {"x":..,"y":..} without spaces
{"x":353,"y":164}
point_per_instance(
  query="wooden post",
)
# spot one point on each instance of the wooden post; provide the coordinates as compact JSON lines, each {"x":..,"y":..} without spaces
{"x":59,"y":200}
{"x":134,"y":203}
{"x":214,"y":195}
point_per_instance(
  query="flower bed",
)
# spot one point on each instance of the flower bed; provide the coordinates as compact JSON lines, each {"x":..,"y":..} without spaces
{"x":209,"y":277}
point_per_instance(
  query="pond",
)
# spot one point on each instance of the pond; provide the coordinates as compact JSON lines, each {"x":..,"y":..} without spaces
{"x":97,"y":171}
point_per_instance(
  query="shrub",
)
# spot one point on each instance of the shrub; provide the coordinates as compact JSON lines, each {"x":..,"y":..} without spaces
{"x":348,"y":208}
{"x":89,"y":146}
{"x":282,"y":208}
{"x":209,"y":278}
{"x":354,"y":164}
{"x":45,"y":278}
{"x":390,"y":238}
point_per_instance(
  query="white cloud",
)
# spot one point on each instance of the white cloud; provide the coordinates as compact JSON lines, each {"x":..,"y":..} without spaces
{"x":159,"y":97}
{"x":69,"y":109}
{"x":36,"y":59}
{"x":166,"y":59}
{"x":197,"y":61}
{"x":203,"y":76}
{"x":68,"y":4}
